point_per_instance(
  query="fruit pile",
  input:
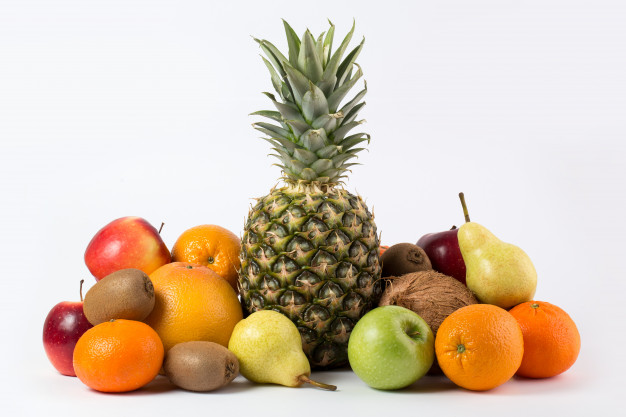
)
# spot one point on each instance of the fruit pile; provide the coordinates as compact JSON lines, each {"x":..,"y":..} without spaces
{"x":150,"y":310}
{"x":477,"y":323}
{"x":309,"y":275}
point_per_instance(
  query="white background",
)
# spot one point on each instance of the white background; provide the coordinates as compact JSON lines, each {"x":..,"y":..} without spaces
{"x":115,"y":108}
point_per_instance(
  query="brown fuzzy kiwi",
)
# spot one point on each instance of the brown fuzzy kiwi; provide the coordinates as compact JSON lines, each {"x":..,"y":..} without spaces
{"x":124,"y":294}
{"x":200,"y":366}
{"x":404,"y":258}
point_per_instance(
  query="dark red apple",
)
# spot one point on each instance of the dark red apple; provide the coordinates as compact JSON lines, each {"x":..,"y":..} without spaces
{"x":443,"y":251}
{"x":128,"y":242}
{"x":64,"y":325}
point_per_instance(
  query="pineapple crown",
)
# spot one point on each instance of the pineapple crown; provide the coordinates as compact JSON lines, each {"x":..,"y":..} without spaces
{"x":310,"y":133}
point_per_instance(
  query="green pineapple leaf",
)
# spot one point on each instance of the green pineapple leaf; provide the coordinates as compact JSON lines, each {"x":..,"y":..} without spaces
{"x":308,"y":61}
{"x":293,"y":43}
{"x":287,"y":110}
{"x":331,"y":69}
{"x":276,"y":80}
{"x":319,"y":49}
{"x":270,"y":114}
{"x":314,"y":103}
{"x":299,"y":83}
{"x":359,"y":96}
{"x":339,"y":160}
{"x":337,"y":96}
{"x":314,"y":139}
{"x":352,"y":114}
{"x":346,"y":66}
{"x":273,"y":55}
{"x":328,"y":44}
{"x":340,"y":133}
{"x":294,"y":165}
{"x":322,"y":165}
{"x":308,"y":174}
{"x":328,"y":122}
{"x":305,"y":156}
{"x":298,"y":127}
{"x":354,"y":140}
{"x":272,"y":130}
{"x":284,"y":143}
{"x":328,"y":151}
{"x":282,"y":154}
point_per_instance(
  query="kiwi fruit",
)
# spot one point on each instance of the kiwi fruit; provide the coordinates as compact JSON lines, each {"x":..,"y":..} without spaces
{"x":200,"y":366}
{"x":124,"y":294}
{"x":404,"y":258}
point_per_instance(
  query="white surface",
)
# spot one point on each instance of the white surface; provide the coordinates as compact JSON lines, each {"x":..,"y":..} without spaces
{"x":114,"y":108}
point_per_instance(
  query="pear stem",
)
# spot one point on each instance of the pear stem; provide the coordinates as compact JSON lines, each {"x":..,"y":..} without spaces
{"x":465,"y":212}
{"x":304,"y":378}
{"x":81,"y":290}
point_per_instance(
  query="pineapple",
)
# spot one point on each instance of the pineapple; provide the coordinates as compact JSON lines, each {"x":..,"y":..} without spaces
{"x":310,"y":249}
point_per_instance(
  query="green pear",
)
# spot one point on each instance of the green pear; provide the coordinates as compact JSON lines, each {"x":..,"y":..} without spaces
{"x":269,"y":349}
{"x":499,"y":273}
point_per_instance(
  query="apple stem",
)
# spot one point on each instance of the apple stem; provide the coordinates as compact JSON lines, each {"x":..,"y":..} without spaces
{"x":304,"y":378}
{"x":161,"y":228}
{"x":81,"y":290}
{"x":465,"y":213}
{"x":413,"y":334}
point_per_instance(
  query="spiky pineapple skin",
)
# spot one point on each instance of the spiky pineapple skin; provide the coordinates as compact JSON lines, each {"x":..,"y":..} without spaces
{"x":313,"y":256}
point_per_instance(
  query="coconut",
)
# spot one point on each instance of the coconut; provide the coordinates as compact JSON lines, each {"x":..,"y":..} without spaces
{"x":430,"y":294}
{"x":404,"y":258}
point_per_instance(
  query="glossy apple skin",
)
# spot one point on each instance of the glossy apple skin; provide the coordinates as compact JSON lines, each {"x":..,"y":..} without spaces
{"x":64,"y":325}
{"x":128,"y":242}
{"x":444,"y":253}
{"x":391,"y":347}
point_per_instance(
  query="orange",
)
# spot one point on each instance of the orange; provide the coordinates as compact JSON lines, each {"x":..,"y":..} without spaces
{"x":479,"y":346}
{"x":551,"y":339}
{"x":211,"y":246}
{"x":118,"y":356}
{"x":192,"y":303}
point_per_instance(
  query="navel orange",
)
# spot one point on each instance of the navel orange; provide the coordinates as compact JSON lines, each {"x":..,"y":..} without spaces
{"x":212,"y":246}
{"x":551,"y":339}
{"x":479,"y":346}
{"x":192,"y":303}
{"x":118,"y":356}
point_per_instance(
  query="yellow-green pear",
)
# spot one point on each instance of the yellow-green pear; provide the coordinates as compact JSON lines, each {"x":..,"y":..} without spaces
{"x":498,"y":273}
{"x":269,"y":349}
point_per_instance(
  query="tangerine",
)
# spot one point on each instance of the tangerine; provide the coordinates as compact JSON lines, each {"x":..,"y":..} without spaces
{"x":551,"y":339}
{"x":118,"y":356}
{"x":479,"y":346}
{"x":212,"y":246}
{"x":192,"y":303}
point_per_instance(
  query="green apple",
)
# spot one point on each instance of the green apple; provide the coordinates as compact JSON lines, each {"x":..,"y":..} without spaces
{"x":391,"y":347}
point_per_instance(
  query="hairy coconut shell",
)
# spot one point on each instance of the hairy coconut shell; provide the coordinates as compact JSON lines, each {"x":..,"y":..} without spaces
{"x":430,"y":294}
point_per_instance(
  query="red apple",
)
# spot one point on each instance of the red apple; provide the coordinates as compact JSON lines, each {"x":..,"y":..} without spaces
{"x":129,"y":242}
{"x":64,"y":325}
{"x":444,"y":253}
